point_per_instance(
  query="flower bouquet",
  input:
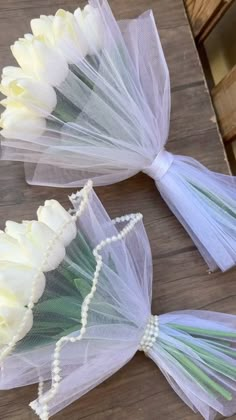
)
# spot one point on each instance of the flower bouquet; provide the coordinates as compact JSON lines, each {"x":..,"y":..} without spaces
{"x":76,"y":306}
{"x":91,"y":99}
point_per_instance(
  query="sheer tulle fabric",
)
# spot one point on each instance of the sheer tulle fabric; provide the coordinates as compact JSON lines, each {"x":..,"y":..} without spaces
{"x":197,"y":347}
{"x":115,"y":121}
{"x":204,"y":202}
{"x":117,"y":314}
{"x":195,"y":350}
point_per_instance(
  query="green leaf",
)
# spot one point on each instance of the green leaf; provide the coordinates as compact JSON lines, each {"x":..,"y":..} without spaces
{"x":65,"y":306}
{"x":83,"y":286}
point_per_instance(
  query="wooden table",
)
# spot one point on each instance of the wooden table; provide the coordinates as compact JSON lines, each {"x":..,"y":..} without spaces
{"x":138,"y":391}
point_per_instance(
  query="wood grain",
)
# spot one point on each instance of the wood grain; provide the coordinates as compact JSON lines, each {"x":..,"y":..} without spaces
{"x":204,"y":15}
{"x":138,"y":391}
{"x":224,"y":100}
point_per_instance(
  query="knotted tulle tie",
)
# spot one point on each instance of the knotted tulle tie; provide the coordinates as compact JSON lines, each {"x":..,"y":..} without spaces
{"x":150,"y":334}
{"x":160,"y":165}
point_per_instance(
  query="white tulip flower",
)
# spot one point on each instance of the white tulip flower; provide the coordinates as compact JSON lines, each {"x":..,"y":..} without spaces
{"x":18,"y":279}
{"x":38,"y":242}
{"x":39,"y":97}
{"x":90,"y":22}
{"x":42,"y":28}
{"x":18,"y":122}
{"x":56,"y":217}
{"x":62,"y":32}
{"x":10,"y":250}
{"x":11,"y":316}
{"x":39,"y":60}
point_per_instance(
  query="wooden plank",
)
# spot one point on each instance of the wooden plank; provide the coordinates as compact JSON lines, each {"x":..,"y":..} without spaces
{"x":184,"y":64}
{"x":138,"y":391}
{"x":204,"y":14}
{"x":224,"y":99}
{"x":230,"y":149}
{"x":194,"y":99}
{"x":28,"y":9}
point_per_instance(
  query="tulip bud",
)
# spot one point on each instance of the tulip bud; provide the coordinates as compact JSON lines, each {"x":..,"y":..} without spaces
{"x":11,"y":315}
{"x":38,"y":242}
{"x":18,"y":279}
{"x":90,"y":22}
{"x":37,"y":96}
{"x":40,"y":60}
{"x":62,"y":32}
{"x":55,"y":216}
{"x":43,"y":28}
{"x":18,"y":122}
{"x":10,"y":250}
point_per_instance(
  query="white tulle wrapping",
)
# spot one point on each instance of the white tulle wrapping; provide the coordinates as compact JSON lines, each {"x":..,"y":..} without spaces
{"x":119,"y":127}
{"x":212,"y":228}
{"x":117,"y":318}
{"x":191,"y":393}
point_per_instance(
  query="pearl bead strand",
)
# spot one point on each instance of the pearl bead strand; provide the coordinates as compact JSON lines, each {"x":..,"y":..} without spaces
{"x":131,"y":220}
{"x":150,"y":334}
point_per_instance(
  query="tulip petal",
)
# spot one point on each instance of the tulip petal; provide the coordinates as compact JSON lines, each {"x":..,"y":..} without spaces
{"x":18,"y":279}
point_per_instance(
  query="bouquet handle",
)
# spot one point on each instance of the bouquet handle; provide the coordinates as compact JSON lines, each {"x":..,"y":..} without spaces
{"x":196,"y":352}
{"x":203,"y":201}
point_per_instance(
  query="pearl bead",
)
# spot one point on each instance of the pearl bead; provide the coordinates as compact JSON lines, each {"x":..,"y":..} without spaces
{"x":82,"y":331}
{"x":56,"y":352}
{"x":56,"y":370}
{"x":83,"y":318}
{"x":150,"y":334}
{"x":57,"y":378}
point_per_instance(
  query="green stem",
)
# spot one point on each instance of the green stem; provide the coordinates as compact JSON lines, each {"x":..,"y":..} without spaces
{"x":216,"y":200}
{"x":202,"y":331}
{"x":65,"y":110}
{"x":224,"y":347}
{"x":196,"y":373}
{"x":216,"y":362}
